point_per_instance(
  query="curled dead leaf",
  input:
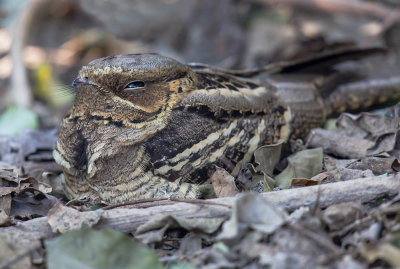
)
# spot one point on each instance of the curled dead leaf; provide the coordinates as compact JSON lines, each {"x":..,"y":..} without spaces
{"x":154,"y":230}
{"x":252,"y":211}
{"x":30,"y":203}
{"x":223,"y":183}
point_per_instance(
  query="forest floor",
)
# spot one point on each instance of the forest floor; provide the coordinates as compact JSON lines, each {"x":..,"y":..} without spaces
{"x":330,"y":200}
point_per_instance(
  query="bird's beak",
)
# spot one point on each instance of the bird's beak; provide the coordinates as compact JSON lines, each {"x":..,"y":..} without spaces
{"x":80,"y":80}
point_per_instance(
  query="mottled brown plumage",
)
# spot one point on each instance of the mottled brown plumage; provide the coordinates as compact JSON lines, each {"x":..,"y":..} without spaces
{"x":146,"y":126}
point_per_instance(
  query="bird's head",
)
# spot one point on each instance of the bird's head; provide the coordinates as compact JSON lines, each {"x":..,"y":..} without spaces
{"x":132,"y":89}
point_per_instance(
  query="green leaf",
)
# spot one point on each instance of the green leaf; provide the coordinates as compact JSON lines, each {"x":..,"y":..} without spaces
{"x":284,"y":179}
{"x":269,"y":183}
{"x":89,"y":249}
{"x":15,"y":119}
{"x":330,"y":124}
{"x":303,"y":164}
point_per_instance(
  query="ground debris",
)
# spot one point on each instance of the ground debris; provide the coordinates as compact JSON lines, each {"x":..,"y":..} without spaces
{"x":30,"y":151}
{"x":358,"y":136}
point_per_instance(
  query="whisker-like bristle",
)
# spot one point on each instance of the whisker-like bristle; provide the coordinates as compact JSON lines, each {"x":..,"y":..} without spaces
{"x":64,"y":90}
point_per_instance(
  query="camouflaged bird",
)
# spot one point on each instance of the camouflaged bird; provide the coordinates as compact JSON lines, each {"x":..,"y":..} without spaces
{"x":148,"y":126}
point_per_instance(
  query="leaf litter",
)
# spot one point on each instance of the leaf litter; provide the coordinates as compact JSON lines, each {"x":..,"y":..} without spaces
{"x":257,"y":233}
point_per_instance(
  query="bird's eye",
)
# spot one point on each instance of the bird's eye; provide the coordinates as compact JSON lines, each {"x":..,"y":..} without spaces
{"x":134,"y":85}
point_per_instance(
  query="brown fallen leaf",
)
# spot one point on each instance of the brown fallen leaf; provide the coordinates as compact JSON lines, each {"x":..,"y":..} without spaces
{"x":155,"y":229}
{"x":30,"y":152}
{"x":4,"y":217}
{"x":320,"y":177}
{"x":339,"y":215}
{"x":358,"y":136}
{"x":190,"y":244}
{"x":8,"y":173}
{"x":223,"y":183}
{"x":377,"y":165}
{"x":5,"y":204}
{"x":32,"y":182}
{"x":252,"y":211}
{"x":338,"y":171}
{"x":30,"y":203}
{"x":23,"y":197}
{"x":62,"y":218}
{"x":339,"y":144}
{"x":304,"y":182}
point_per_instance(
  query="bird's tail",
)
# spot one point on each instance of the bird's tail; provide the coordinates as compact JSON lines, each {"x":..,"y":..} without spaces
{"x":314,"y":90}
{"x":363,"y":95}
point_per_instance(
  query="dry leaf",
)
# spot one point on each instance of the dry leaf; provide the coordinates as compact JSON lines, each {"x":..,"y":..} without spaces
{"x":30,"y":203}
{"x":377,"y":165}
{"x":252,"y":211}
{"x":4,"y":217}
{"x":267,"y":157}
{"x":5,"y":199}
{"x":338,"y":171}
{"x":304,"y":182}
{"x":154,"y":230}
{"x":223,"y":183}
{"x":303,"y":164}
{"x":320,"y":177}
{"x":62,"y":218}
{"x":358,"y":136}
{"x":339,"y":215}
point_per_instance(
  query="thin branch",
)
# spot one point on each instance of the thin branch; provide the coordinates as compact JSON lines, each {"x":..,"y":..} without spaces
{"x":154,"y":202}
{"x":137,"y":202}
{"x":129,"y":219}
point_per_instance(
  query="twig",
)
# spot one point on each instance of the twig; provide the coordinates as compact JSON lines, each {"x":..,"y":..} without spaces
{"x":154,"y":201}
{"x":141,"y":201}
{"x":197,"y":201}
{"x":129,"y":219}
{"x":316,"y":205}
